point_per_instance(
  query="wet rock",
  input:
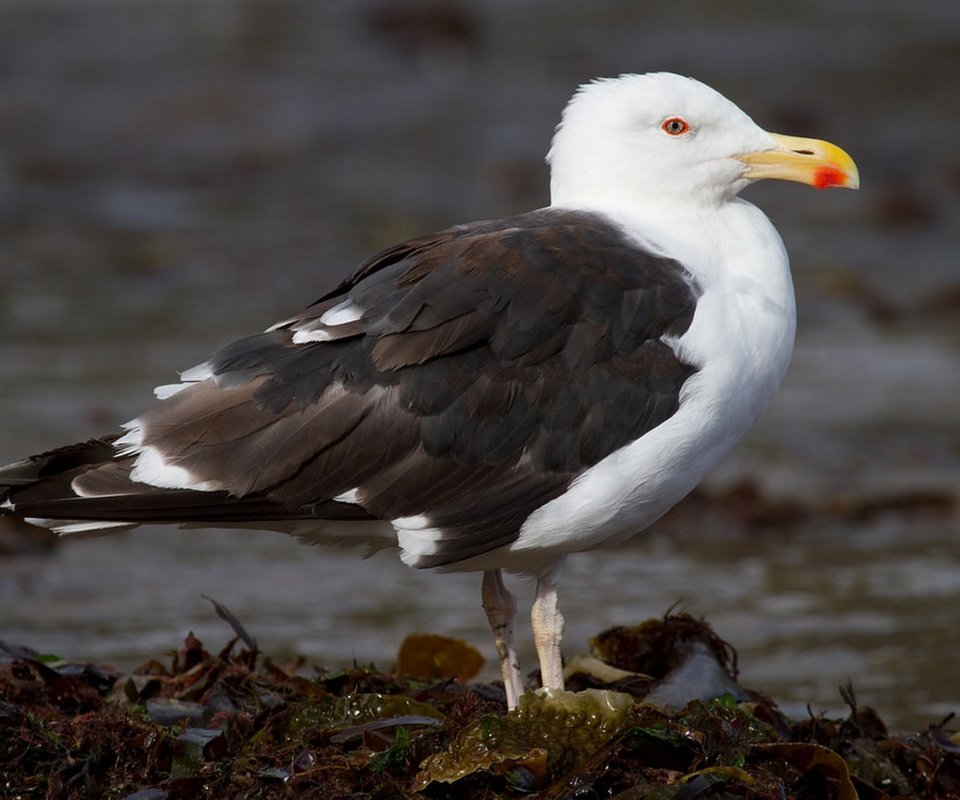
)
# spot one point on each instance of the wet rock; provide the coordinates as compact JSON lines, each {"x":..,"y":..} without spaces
{"x":700,"y":676}
{"x":170,"y":711}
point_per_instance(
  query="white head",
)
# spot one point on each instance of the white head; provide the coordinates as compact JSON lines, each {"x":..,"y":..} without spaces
{"x":660,"y":138}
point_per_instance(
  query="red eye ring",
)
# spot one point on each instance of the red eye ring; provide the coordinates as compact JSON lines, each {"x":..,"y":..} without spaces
{"x":675,"y":126}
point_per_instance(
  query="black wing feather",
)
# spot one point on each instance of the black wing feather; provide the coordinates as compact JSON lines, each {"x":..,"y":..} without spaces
{"x":490,"y":364}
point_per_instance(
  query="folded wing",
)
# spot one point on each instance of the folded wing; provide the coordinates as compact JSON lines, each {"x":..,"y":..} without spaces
{"x":464,"y":378}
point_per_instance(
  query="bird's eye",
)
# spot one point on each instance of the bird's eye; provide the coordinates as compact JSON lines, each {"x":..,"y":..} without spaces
{"x":675,"y":126}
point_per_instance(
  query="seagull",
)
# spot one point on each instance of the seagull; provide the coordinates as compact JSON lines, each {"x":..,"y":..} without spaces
{"x":500,"y":394}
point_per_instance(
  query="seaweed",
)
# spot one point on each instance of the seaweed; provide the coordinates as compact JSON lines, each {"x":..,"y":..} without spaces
{"x":235,"y":724}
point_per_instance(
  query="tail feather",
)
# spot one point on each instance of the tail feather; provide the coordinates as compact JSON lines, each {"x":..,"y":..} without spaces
{"x":62,"y":459}
{"x":85,"y":487}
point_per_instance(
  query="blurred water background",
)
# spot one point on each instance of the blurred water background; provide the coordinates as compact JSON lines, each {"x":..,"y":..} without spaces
{"x":176,"y":174}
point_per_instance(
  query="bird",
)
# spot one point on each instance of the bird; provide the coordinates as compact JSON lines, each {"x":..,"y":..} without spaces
{"x":501,"y":394}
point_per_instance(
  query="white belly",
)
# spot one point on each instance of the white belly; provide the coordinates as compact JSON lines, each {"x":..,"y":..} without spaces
{"x":741,"y":339}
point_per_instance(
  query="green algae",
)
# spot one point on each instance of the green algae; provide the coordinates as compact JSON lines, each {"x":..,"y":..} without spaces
{"x":548,"y":733}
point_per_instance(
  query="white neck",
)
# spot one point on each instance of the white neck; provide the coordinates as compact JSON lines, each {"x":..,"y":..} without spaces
{"x":740,"y":264}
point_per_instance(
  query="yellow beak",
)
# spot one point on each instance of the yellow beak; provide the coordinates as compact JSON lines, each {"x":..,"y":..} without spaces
{"x":809,"y":161}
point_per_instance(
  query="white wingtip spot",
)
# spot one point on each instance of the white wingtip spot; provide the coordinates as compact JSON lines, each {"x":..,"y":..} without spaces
{"x":151,"y":468}
{"x":417,"y":523}
{"x":169,"y":390}
{"x":76,"y":486}
{"x":198,"y":374}
{"x":348,"y":497}
{"x":307,"y":336}
{"x":341,"y":314}
{"x":65,"y":527}
{"x":132,"y":440}
{"x":417,"y":539}
{"x":201,"y":372}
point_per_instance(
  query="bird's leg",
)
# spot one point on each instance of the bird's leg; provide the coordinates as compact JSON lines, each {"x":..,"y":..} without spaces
{"x":501,"y":608}
{"x":547,"y":622}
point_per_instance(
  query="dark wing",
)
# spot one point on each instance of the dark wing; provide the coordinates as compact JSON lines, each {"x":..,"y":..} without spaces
{"x":467,"y":377}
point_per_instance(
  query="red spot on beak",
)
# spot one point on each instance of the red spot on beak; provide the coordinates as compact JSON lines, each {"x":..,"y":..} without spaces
{"x":825,"y":177}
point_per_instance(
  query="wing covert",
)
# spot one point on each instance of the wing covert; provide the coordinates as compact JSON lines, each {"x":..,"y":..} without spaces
{"x":466,"y":376}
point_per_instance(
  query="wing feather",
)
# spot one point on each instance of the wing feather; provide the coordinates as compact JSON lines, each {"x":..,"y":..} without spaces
{"x":466,"y":378}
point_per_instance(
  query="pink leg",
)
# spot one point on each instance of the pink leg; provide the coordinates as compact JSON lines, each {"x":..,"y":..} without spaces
{"x":547,"y":622}
{"x":501,"y":608}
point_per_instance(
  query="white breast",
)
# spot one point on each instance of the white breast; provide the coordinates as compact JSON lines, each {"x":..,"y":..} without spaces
{"x":740,"y":339}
